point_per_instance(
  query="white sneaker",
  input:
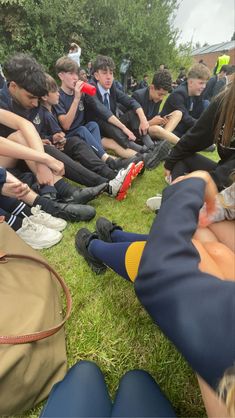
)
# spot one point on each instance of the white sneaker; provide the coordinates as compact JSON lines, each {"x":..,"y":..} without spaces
{"x":38,"y":236}
{"x":43,"y":218}
{"x":154,"y":202}
{"x":121,"y":183}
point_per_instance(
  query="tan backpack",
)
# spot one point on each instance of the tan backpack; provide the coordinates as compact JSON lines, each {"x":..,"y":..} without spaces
{"x":32,"y":340}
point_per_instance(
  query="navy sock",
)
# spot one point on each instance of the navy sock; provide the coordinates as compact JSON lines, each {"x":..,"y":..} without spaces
{"x":111,"y":254}
{"x":122,"y":236}
{"x":46,"y":204}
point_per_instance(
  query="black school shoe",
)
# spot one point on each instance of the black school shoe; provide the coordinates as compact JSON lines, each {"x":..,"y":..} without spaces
{"x":104,"y":228}
{"x":85,"y":195}
{"x":72,"y":212}
{"x":82,"y":241}
{"x":160,"y":152}
{"x":117,"y":164}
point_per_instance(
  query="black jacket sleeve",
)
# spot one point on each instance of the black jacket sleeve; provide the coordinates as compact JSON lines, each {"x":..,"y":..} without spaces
{"x":195,"y":310}
{"x":199,"y":137}
{"x":94,"y":106}
{"x":129,"y":102}
{"x":177,"y":100}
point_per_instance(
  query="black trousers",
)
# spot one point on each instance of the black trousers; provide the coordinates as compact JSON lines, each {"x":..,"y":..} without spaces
{"x":192,"y":163}
{"x":111,"y":131}
{"x":88,"y":169}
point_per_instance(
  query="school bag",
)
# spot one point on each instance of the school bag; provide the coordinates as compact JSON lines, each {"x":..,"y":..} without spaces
{"x":32,"y":339}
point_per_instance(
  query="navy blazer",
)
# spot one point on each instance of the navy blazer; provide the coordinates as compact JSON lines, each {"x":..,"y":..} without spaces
{"x":96,"y":110}
{"x":195,"y":310}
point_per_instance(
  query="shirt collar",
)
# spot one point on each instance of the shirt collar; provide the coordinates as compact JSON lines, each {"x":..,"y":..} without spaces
{"x":102,"y":90}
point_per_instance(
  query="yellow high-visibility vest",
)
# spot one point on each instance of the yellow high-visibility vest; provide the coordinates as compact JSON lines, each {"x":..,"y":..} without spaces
{"x":223,"y":60}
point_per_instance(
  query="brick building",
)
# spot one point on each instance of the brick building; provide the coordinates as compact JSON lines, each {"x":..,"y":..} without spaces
{"x":209,"y":54}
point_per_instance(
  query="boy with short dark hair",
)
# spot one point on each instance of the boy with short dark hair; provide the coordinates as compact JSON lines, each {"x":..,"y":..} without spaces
{"x":71,"y":112}
{"x":117,"y":183}
{"x":151,"y":98}
{"x":126,"y":127}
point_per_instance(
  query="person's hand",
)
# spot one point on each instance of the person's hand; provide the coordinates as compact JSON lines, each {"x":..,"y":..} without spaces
{"x":16,"y":190}
{"x":167,"y":175}
{"x":166,"y":119}
{"x":57,"y":167}
{"x":44,"y":175}
{"x":129,"y":133}
{"x":77,"y":89}
{"x":58,"y":137}
{"x":59,"y":140}
{"x":158,"y":120}
{"x":211,"y":192}
{"x":143,"y":128}
{"x":46,"y":142}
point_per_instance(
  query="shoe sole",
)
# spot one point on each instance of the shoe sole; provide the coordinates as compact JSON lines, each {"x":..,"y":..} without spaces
{"x":48,"y":245}
{"x":138,"y":168}
{"x":126,"y":184}
{"x":154,"y":203}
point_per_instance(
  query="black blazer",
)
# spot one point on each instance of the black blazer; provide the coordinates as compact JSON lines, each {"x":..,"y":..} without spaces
{"x":180,"y":100}
{"x":142,"y":97}
{"x":95,"y":109}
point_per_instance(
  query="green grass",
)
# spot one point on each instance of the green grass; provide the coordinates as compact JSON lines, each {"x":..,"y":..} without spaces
{"x":108,"y":324}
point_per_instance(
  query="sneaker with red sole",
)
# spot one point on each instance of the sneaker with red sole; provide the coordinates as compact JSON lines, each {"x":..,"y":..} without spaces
{"x":139,"y":168}
{"x":120,"y":184}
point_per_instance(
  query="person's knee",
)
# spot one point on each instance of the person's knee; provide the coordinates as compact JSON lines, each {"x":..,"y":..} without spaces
{"x":177,"y":114}
{"x":82,"y":130}
{"x":135,"y":378}
{"x":84,"y":368}
{"x":93,"y":125}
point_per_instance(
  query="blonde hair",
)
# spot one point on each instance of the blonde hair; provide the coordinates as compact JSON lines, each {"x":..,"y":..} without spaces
{"x":199,"y":71}
{"x":226,"y":390}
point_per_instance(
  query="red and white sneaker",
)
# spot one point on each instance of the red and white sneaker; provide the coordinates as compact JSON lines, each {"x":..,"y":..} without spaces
{"x":120,"y":184}
{"x":139,"y":168}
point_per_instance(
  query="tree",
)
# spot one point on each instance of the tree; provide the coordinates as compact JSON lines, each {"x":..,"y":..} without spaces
{"x":233,"y":37}
{"x":142,"y":29}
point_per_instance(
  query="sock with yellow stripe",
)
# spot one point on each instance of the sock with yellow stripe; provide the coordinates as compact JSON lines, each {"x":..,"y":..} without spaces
{"x":122,"y":257}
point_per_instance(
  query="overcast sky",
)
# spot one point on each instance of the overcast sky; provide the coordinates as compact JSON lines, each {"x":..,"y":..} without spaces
{"x":210,"y":21}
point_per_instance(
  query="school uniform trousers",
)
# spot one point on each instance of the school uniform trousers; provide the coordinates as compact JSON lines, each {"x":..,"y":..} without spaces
{"x":88,"y":169}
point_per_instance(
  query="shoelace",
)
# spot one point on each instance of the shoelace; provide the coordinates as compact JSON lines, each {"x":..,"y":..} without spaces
{"x":36,"y":211}
{"x":29,"y":224}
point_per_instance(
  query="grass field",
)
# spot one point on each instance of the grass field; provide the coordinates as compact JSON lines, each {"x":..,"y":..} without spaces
{"x":108,"y":324}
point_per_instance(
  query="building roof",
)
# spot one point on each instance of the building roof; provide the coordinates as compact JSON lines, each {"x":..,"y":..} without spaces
{"x":214,"y":48}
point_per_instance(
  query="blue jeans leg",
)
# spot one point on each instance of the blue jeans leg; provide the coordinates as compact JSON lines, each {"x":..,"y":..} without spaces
{"x":139,"y":395}
{"x":82,"y":393}
{"x":91,"y":135}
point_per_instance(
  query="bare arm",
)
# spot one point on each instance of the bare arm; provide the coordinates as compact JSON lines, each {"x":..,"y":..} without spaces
{"x":144,"y":125}
{"x":27,"y":129}
{"x":12,"y":149}
{"x":67,"y":119}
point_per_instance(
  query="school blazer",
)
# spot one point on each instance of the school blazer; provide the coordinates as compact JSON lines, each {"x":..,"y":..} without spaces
{"x":95,"y":109}
{"x":195,"y":310}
